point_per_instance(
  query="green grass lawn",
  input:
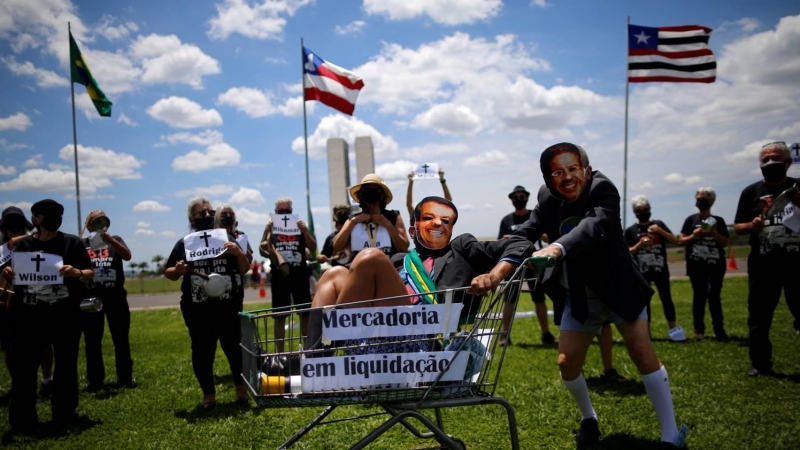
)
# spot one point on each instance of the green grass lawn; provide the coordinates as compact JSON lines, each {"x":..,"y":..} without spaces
{"x":136,"y":285}
{"x":676,"y":254}
{"x":723,"y":408}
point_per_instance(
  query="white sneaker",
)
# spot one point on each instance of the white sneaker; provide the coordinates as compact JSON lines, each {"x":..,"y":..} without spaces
{"x":676,"y":334}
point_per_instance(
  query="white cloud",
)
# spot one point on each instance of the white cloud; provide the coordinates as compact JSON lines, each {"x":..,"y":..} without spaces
{"x":206,"y":191}
{"x":142,"y":224}
{"x":676,"y":178}
{"x":771,"y":57}
{"x":24,"y":206}
{"x":18,"y":121}
{"x":44,"y":78}
{"x":748,"y":24}
{"x":353,"y":27}
{"x":7,"y":170}
{"x":215,"y":155}
{"x":144,"y":232}
{"x":33,"y":161}
{"x":749,"y":154}
{"x":166,"y":60}
{"x":169,"y":234}
{"x":127,"y":120}
{"x":273,"y":60}
{"x":492,"y":158}
{"x":792,"y":132}
{"x":258,"y":103}
{"x":338,"y":125}
{"x":109,"y":29}
{"x":204,"y":138}
{"x":43,"y":21}
{"x":114,"y":72}
{"x":449,"y":119}
{"x":445,"y":12}
{"x":260,"y":19}
{"x":247,"y":217}
{"x":24,"y":41}
{"x":180,"y":112}
{"x":83,"y":103}
{"x":539,"y":3}
{"x":265,"y":185}
{"x":397,"y":170}
{"x":13,"y":145}
{"x":150,"y":205}
{"x":488,"y":206}
{"x":466,"y":207}
{"x":247,"y":196}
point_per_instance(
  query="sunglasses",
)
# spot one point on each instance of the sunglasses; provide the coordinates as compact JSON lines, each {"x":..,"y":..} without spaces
{"x":206,"y":213}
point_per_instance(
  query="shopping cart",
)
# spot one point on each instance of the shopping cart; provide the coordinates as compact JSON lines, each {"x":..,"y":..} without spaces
{"x":400,"y":359}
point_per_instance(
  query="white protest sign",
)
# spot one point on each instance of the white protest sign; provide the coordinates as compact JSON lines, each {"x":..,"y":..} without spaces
{"x":385,"y":321}
{"x":791,"y":217}
{"x":426,"y":171}
{"x":96,"y":240}
{"x":205,"y":244}
{"x":32,"y":268}
{"x":357,"y":371}
{"x":5,"y":254}
{"x":285,"y":224}
{"x":366,"y":235}
{"x":242,"y":241}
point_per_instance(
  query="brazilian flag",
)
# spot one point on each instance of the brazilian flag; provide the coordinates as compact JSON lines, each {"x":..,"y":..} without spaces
{"x":82,"y":75}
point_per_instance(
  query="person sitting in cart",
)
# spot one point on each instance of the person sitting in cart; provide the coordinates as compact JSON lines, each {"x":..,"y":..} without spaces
{"x":436,"y":263}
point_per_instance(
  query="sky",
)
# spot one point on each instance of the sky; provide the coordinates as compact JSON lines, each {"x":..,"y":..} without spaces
{"x":207,"y":101}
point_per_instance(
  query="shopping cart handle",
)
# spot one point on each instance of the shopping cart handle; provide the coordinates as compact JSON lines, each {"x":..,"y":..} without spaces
{"x":540,"y":263}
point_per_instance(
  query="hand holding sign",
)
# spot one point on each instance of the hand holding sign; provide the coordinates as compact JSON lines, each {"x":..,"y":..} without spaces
{"x":426,"y":171}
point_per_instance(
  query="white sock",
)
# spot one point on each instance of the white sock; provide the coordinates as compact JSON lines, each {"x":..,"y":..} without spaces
{"x":47,"y":380}
{"x":580,"y":393}
{"x":657,"y":385}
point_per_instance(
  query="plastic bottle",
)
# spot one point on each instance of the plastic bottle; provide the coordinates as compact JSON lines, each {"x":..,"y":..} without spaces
{"x":277,"y":385}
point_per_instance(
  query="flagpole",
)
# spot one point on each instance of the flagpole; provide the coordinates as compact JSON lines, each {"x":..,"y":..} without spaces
{"x":75,"y":142}
{"x":625,"y":169}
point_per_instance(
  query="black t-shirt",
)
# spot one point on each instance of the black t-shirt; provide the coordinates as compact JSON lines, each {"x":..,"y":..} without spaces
{"x":511,"y":222}
{"x":651,"y":260}
{"x":706,"y":249}
{"x":240,"y":292}
{"x":73,"y":253}
{"x":109,"y":276}
{"x":775,"y":241}
{"x":192,"y":286}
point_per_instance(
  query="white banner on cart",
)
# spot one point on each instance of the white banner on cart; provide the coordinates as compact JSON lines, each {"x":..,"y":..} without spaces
{"x":357,"y":371}
{"x":385,"y":321}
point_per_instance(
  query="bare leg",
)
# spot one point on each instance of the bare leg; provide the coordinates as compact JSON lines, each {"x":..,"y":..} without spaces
{"x":572,"y":348}
{"x":606,"y":341}
{"x":637,"y":340}
{"x":372,"y":276}
{"x":329,"y":286}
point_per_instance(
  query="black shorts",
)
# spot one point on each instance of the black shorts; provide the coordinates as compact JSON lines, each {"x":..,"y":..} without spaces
{"x":291,"y":290}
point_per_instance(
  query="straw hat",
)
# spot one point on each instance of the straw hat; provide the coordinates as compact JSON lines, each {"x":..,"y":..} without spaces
{"x":371,"y":179}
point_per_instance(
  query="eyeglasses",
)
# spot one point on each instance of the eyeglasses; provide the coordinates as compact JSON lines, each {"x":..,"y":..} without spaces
{"x":573,"y":172}
{"x":206,"y":213}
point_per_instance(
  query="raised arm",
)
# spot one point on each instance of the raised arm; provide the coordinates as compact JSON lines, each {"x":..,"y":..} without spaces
{"x":444,"y":185}
{"x":409,"y":201}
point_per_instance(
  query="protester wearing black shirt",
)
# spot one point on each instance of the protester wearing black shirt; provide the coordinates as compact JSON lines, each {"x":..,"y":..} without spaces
{"x":774,"y":253}
{"x":107,"y":253}
{"x":45,"y":314}
{"x":647,"y":240}
{"x":341,"y":213}
{"x":705,"y":237}
{"x":210,"y":319}
{"x":510,"y":223}
{"x":226,"y":218}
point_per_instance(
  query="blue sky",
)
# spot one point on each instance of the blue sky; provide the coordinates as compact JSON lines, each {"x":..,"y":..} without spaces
{"x":206,"y":100}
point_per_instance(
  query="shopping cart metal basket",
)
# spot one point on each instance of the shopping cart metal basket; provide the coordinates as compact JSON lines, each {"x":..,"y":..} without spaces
{"x":401,"y":359}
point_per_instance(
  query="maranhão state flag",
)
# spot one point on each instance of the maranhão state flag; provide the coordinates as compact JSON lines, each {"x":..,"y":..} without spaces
{"x":673,"y":54}
{"x":329,"y":83}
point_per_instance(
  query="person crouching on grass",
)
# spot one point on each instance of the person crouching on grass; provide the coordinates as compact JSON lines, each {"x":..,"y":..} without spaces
{"x":579,"y":209}
{"x":210,"y":319}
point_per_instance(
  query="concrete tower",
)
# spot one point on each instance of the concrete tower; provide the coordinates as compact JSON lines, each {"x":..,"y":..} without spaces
{"x":338,"y":171}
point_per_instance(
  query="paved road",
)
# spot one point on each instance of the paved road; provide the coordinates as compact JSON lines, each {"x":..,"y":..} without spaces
{"x":157,"y":301}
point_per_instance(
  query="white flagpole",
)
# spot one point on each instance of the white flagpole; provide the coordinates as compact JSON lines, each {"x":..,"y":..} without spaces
{"x":75,"y":140}
{"x":625,"y":169}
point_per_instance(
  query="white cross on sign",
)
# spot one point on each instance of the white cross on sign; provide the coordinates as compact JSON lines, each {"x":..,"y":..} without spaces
{"x":32,"y":268}
{"x":426,"y":171}
{"x":205,"y":244}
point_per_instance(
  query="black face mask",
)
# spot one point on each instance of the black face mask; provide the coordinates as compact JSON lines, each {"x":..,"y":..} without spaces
{"x":14,"y":223}
{"x":226,"y":221}
{"x":370,"y":196}
{"x":50,"y":223}
{"x":284,"y":211}
{"x":341,"y":218}
{"x":203,"y":223}
{"x":703,"y":204}
{"x":519,"y":204}
{"x":643,"y":217}
{"x":774,"y":171}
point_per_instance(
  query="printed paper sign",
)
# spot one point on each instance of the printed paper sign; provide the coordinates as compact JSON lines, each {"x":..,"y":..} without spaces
{"x":205,"y":244}
{"x":37,"y":268}
{"x":366,"y":235}
{"x":96,"y":240}
{"x":796,"y":150}
{"x":285,"y":224}
{"x":426,"y":171}
{"x":5,"y":254}
{"x":242,"y":241}
{"x":357,"y":323}
{"x":356,"y":371}
{"x":791,"y":217}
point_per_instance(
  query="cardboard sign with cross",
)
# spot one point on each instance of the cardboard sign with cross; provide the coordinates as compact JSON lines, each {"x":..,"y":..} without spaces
{"x":426,"y":171}
{"x":285,"y":224}
{"x":205,"y":244}
{"x":37,"y":268}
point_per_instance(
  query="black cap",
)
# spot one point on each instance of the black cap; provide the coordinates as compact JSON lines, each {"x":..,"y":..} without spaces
{"x":14,"y":210}
{"x":47,"y":206}
{"x":517,"y":190}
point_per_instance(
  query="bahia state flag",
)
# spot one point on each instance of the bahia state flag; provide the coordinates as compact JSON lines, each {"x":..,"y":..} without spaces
{"x":672,"y":54}
{"x":81,"y":74}
{"x":329,"y":83}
